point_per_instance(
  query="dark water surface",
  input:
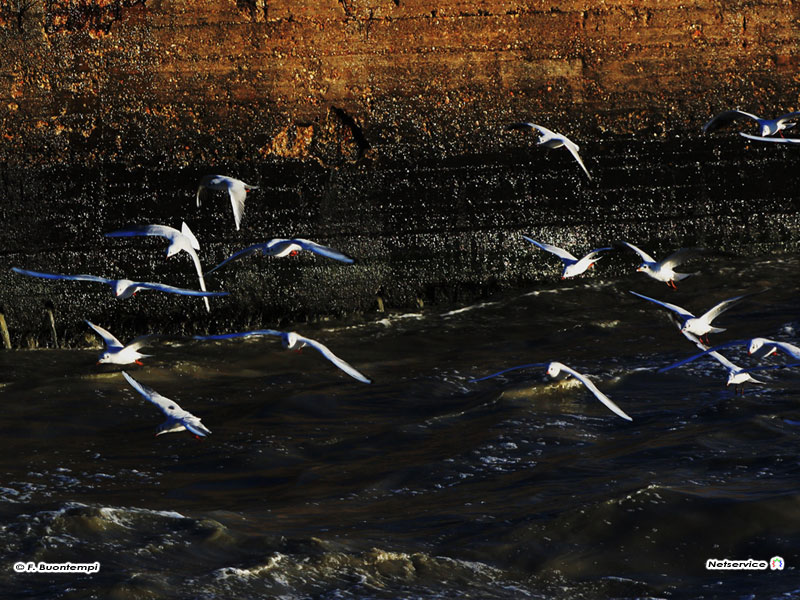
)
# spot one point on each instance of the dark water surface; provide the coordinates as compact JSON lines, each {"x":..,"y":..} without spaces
{"x":421,"y":485}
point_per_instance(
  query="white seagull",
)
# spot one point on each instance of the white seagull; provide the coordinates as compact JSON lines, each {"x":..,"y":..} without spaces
{"x":557,"y":370}
{"x":736,"y":374}
{"x":550,"y":139}
{"x":293,"y":341}
{"x":183,"y":240}
{"x":121,"y":288}
{"x":177,"y":418}
{"x":118,"y":353}
{"x":767,"y":126}
{"x":663,"y":270}
{"x":280,"y":247}
{"x":701,"y":325}
{"x":762,"y":347}
{"x":572,"y":265}
{"x":236,"y":189}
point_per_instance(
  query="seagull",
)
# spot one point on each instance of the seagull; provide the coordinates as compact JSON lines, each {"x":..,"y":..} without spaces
{"x":236,"y":188}
{"x":779,"y":140}
{"x":736,"y":374}
{"x":557,"y":370}
{"x":183,"y":240}
{"x":284,"y":247}
{"x":764,"y":347}
{"x":572,"y":265}
{"x":177,"y":418}
{"x":663,"y":270}
{"x":293,"y":341}
{"x":768,"y":126}
{"x":549,"y":139}
{"x":701,"y":325}
{"x":121,"y":288}
{"x":118,"y":353}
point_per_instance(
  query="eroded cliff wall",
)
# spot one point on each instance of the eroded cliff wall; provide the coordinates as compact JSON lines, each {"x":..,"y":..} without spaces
{"x":376,"y":126}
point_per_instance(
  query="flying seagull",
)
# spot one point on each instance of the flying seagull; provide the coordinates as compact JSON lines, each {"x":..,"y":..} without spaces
{"x":550,"y":139}
{"x":121,"y":288}
{"x":293,"y":341}
{"x":664,"y":270}
{"x":764,"y":347}
{"x":701,"y":325}
{"x":183,"y":240}
{"x":177,"y":418}
{"x":285,"y":247}
{"x":557,"y":370}
{"x":236,"y":188}
{"x":118,"y":353}
{"x":572,"y":266}
{"x":767,"y":126}
{"x":736,"y":374}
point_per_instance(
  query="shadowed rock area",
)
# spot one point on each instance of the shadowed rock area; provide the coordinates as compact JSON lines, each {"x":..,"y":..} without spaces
{"x":375,"y":127}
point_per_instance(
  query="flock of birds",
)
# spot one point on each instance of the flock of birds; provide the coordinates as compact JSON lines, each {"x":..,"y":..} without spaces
{"x":691,"y":326}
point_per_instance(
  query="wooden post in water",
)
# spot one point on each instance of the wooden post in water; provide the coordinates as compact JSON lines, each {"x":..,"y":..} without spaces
{"x":4,"y":329}
{"x":49,"y":307}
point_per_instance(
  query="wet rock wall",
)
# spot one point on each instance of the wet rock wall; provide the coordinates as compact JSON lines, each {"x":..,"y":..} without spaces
{"x":375,"y":126}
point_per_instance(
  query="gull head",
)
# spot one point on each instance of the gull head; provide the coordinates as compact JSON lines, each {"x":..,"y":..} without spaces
{"x":123,"y":288}
{"x":105,"y":357}
{"x":643,"y":268}
{"x":553,"y":369}
{"x":291,"y":342}
{"x":755,"y":345}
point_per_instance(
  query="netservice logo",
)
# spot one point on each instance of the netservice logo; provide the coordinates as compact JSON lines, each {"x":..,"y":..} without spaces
{"x":776,"y":563}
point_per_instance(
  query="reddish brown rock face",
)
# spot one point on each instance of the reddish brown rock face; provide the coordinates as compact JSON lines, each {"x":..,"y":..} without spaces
{"x":424,"y":72}
{"x":378,"y":127}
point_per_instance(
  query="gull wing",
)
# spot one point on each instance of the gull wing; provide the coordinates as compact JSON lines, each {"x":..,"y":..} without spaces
{"x":151,"y":395}
{"x":325,"y":351}
{"x":701,"y":354}
{"x":173,"y":411}
{"x":230,"y":336}
{"x":680,"y":256}
{"x":525,"y":126}
{"x":144,"y":340}
{"x":682,"y":312}
{"x":644,"y":255}
{"x":726,"y":117}
{"x":597,"y":393}
{"x":108,"y":338}
{"x":573,"y":149}
{"x":138,"y":230}
{"x":188,"y":233}
{"x":593,"y":254}
{"x":241,"y":253}
{"x":518,"y":367}
{"x":720,"y":308}
{"x":238,"y":193}
{"x":792,"y":116}
{"x":777,"y":140}
{"x":321,"y":250}
{"x":162,"y":287}
{"x":559,"y":252}
{"x":790,"y":349}
{"x":67,"y":277}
